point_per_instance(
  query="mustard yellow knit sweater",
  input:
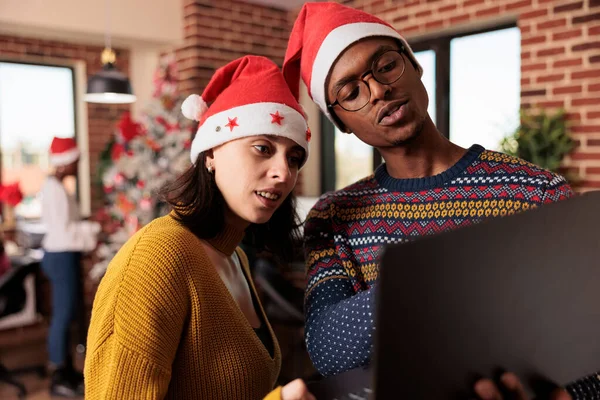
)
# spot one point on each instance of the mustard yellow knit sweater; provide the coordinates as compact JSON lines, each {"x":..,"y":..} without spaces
{"x":165,"y":326}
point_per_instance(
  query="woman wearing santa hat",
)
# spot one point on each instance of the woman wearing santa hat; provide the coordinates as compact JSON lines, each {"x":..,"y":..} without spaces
{"x":177,"y":315}
{"x":66,"y":237}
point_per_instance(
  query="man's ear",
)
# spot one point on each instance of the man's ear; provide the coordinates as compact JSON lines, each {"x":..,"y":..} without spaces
{"x":339,"y":123}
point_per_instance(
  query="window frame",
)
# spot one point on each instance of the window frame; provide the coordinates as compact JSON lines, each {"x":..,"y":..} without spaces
{"x":76,"y":116}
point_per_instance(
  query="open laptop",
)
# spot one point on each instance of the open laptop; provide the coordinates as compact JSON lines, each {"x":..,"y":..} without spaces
{"x":521,"y":293}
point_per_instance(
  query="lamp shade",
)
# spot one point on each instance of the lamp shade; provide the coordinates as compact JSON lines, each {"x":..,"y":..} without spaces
{"x":109,"y":86}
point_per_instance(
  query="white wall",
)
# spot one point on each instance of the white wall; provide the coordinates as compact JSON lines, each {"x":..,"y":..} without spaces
{"x":155,"y":22}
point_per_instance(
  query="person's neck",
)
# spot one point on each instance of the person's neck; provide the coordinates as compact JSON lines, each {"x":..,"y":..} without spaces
{"x":60,"y":177}
{"x":428,"y":154}
{"x":231,"y":235}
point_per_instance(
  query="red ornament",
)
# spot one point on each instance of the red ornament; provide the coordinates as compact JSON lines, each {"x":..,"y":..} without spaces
{"x":232,"y":123}
{"x":11,"y":194}
{"x":119,"y":179}
{"x":276,"y":118}
{"x":117,"y":151}
{"x":128,"y":128}
{"x":308,"y":134}
{"x":140,"y":184}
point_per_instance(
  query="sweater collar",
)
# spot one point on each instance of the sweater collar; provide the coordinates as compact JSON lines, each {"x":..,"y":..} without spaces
{"x":414,"y":184}
{"x":227,"y":240}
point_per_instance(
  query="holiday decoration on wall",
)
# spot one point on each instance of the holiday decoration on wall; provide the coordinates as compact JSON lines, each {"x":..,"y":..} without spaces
{"x":139,"y":160}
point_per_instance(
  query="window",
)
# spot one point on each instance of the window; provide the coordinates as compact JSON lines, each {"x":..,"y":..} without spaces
{"x":473,"y":83}
{"x":427,"y":60}
{"x":485,"y":85}
{"x":36,"y":104}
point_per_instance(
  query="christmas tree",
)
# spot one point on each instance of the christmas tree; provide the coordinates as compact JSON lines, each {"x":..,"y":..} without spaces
{"x":139,"y":160}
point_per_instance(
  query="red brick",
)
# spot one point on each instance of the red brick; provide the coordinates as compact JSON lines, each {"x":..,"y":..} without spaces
{"x":400,"y":18}
{"x":525,"y":29}
{"x":586,"y":46}
{"x":595,"y":59}
{"x":586,"y":18}
{"x":551,"y":104}
{"x":412,"y":28}
{"x":592,"y":170}
{"x":469,"y":3}
{"x":594,"y":30}
{"x":434,"y":24}
{"x":594,"y":87}
{"x":567,"y":34}
{"x":593,"y":115}
{"x":589,"y":183}
{"x":460,"y":19}
{"x":595,"y":73}
{"x":569,"y":7}
{"x":425,"y":13}
{"x":533,"y":67}
{"x":487,"y":12}
{"x":518,"y":4}
{"x":531,"y":93}
{"x":573,"y":117}
{"x":587,"y":129}
{"x":525,"y":81}
{"x":572,"y":62}
{"x":533,"y":40}
{"x":594,"y":3}
{"x":592,"y":101}
{"x":450,"y":7}
{"x":533,"y":14}
{"x":567,"y":89}
{"x":550,"y":78}
{"x":585,"y":156}
{"x":551,"y":52}
{"x":552,"y":24}
{"x":525,"y":55}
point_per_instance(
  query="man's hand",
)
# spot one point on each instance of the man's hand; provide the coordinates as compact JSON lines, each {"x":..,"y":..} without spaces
{"x":296,"y":390}
{"x":486,"y":389}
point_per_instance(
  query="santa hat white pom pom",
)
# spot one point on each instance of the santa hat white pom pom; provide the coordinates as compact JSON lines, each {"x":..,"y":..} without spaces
{"x":194,"y":107}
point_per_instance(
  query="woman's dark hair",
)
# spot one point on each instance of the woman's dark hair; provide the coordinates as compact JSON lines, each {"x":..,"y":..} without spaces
{"x":199,"y":205}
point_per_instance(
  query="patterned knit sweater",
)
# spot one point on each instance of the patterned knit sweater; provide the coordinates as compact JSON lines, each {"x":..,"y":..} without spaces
{"x":164,"y":325}
{"x":346,"y":231}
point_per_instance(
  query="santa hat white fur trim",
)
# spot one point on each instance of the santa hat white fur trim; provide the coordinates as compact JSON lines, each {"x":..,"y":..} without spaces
{"x":194,"y":107}
{"x":64,"y":158}
{"x":334,"y":44}
{"x":252,"y":120}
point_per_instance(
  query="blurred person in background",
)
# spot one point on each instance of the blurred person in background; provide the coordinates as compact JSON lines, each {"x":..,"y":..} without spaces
{"x":67,"y":236}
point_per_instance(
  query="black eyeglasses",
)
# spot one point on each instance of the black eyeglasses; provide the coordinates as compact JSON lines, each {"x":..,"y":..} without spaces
{"x":386,"y":69}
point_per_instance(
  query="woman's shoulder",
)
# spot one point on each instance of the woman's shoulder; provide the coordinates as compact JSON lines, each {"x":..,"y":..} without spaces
{"x":166,"y":234}
{"x":163,"y":244}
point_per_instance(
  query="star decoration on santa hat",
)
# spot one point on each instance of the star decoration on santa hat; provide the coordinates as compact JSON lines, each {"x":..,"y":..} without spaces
{"x":308,"y":134}
{"x":232,"y":123}
{"x":276,"y":118}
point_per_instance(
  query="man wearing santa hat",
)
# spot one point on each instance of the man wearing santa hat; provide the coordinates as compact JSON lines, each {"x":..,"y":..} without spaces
{"x":66,"y":237}
{"x":365,"y":78}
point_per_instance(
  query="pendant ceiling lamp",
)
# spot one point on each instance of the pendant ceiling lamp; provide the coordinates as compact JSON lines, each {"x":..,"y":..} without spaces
{"x":109,"y":85}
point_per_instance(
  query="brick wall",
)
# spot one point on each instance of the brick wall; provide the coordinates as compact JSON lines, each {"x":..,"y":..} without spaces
{"x":560,"y":55}
{"x":218,"y":31}
{"x":101,"y":118}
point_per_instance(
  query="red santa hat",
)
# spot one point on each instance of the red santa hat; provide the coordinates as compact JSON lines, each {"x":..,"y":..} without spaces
{"x":249,"y":97}
{"x":320,"y":34}
{"x":63,"y":151}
